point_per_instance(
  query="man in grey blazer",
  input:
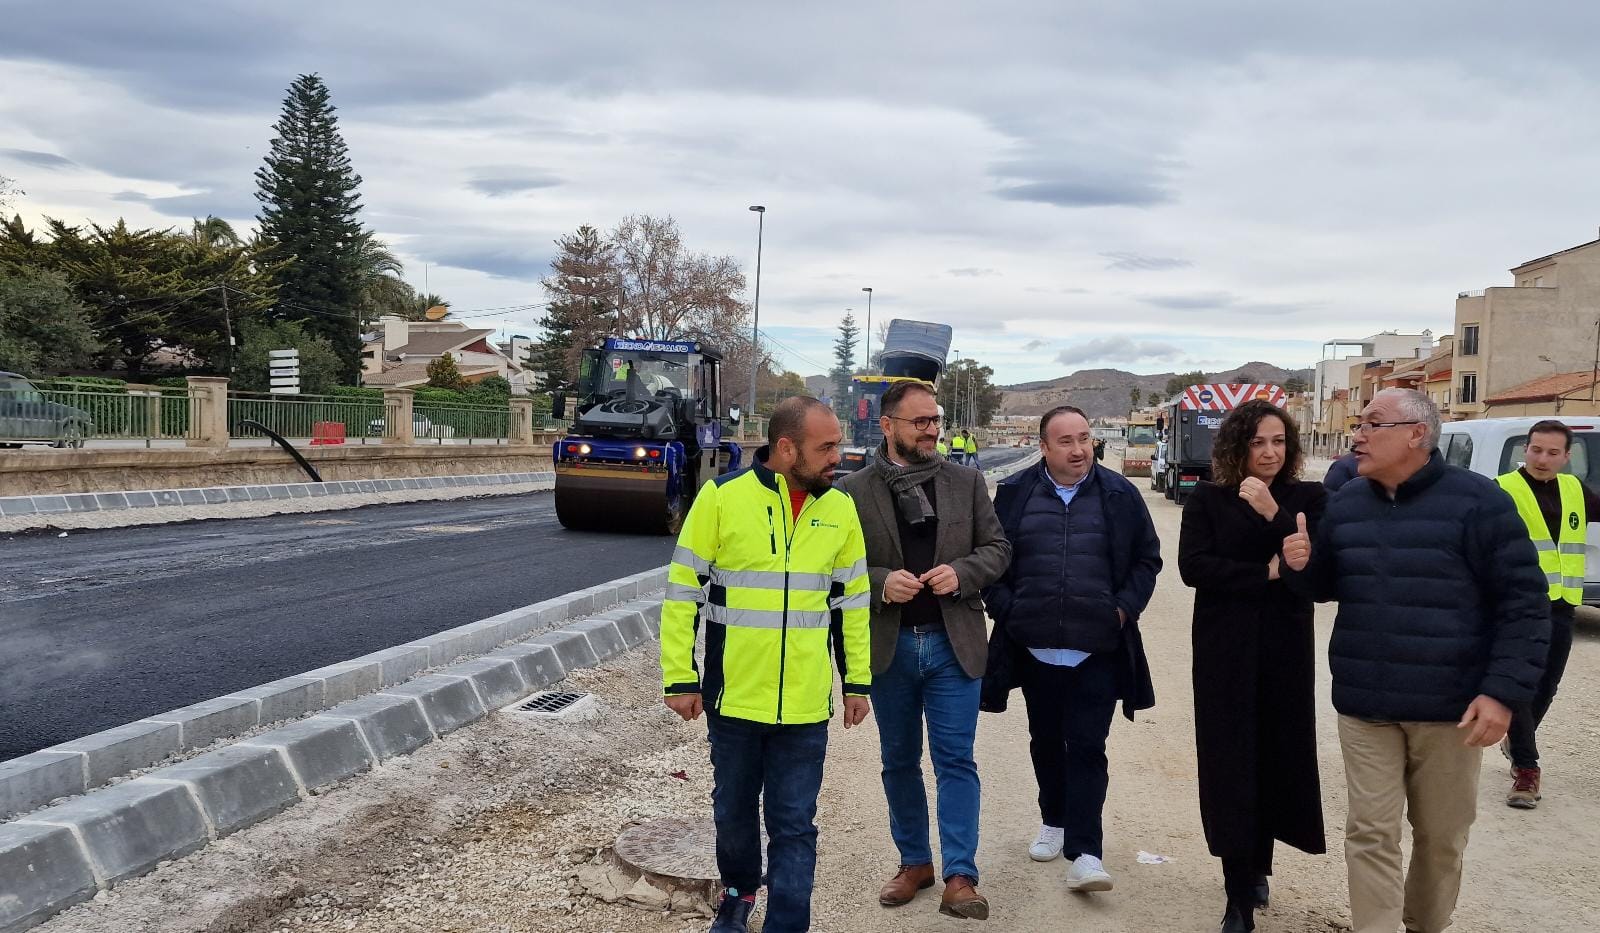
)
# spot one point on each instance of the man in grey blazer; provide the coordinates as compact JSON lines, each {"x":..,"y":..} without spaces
{"x":933,"y":544}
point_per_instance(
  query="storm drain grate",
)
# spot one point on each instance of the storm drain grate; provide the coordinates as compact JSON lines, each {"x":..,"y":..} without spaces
{"x":550,"y":703}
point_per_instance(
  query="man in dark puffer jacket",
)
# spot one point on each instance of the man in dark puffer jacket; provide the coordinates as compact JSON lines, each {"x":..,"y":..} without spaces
{"x":1443,"y":626}
{"x":1085,"y":559}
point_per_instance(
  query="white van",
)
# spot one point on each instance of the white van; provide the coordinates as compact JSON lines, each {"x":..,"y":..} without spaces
{"x":1492,"y":446}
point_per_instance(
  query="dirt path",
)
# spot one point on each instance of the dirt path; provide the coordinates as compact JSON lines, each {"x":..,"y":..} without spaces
{"x":484,"y":831}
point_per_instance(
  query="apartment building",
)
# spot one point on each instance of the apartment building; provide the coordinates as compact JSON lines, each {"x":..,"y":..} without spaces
{"x":1547,"y":322}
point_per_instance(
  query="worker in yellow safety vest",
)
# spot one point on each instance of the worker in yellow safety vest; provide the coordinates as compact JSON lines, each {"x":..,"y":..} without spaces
{"x":778,"y":609}
{"x":942,"y":448}
{"x":1557,"y":508}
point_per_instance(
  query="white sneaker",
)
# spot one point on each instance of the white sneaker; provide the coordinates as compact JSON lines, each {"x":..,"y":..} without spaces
{"x":1048,"y":844}
{"x":1087,"y":874}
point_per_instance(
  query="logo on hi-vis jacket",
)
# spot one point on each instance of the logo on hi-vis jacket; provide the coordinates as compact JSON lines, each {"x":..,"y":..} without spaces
{"x":1572,"y":520}
{"x":819,"y":523}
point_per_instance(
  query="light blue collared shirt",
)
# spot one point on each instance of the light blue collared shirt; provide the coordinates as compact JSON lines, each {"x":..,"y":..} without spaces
{"x":1062,"y":657}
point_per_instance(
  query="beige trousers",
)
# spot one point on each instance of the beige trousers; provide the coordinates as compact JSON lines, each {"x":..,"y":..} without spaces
{"x":1423,"y":771}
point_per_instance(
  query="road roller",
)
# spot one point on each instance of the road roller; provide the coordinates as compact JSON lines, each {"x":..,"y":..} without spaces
{"x":646,"y":435}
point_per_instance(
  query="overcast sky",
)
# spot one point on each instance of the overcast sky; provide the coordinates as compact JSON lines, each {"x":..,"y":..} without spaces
{"x":1147,"y":186}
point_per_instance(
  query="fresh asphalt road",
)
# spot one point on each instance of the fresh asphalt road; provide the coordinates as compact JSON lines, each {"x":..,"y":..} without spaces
{"x":100,"y":628}
{"x":993,"y":458}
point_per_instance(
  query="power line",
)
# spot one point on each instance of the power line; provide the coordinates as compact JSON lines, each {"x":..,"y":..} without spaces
{"x":792,"y":350}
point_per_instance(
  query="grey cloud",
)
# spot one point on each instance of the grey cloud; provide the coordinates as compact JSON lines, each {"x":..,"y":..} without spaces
{"x":1135,"y":262}
{"x":1117,"y":349}
{"x":973,"y":272}
{"x":491,"y":259}
{"x":1223,"y":301}
{"x":229,"y":205}
{"x":505,"y":186}
{"x":1033,"y":345}
{"x":37,"y":159}
{"x":1109,"y":193}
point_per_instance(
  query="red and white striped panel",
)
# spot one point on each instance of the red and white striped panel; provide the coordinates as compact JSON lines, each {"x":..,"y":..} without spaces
{"x":1226,"y":396}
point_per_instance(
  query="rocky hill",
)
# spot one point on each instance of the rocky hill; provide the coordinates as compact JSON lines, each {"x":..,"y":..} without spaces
{"x":1103,"y":393}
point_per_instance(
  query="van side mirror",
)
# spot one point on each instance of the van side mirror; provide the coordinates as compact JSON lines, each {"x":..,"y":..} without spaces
{"x":558,"y":406}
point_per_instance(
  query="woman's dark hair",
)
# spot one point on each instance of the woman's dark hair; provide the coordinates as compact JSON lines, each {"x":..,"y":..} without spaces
{"x":1230,"y":455}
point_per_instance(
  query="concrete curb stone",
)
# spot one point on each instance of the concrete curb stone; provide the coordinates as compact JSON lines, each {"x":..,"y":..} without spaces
{"x":117,"y":751}
{"x":392,"y":725}
{"x":283,"y":699}
{"x":573,"y":649}
{"x":450,"y":702}
{"x":46,"y":871}
{"x":499,"y":681}
{"x":348,"y":679}
{"x":538,"y":663}
{"x":603,"y":634}
{"x":130,"y":827}
{"x":237,"y":786}
{"x":200,"y":724}
{"x":322,"y":751}
{"x":32,"y":781}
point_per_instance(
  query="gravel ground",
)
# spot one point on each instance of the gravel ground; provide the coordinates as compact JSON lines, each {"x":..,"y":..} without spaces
{"x":162,"y":515}
{"x":487,"y":830}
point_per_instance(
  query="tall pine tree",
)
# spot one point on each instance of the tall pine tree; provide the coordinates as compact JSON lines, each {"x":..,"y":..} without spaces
{"x":844,"y":364}
{"x":582,"y":288}
{"x":309,"y":202}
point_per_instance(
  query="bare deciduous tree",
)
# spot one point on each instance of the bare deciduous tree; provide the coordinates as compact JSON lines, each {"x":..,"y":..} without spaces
{"x":667,"y":291}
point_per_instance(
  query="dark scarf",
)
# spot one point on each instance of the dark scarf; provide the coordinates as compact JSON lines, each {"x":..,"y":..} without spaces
{"x":906,"y":484}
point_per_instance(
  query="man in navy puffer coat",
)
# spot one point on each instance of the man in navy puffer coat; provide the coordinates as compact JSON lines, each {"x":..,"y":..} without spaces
{"x":1084,"y":563}
{"x":1443,"y":627}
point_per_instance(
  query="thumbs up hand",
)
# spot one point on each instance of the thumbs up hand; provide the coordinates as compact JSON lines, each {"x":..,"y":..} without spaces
{"x":1297,"y":547}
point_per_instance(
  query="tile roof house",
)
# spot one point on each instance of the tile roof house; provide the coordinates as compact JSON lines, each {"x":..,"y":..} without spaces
{"x":397,"y":355}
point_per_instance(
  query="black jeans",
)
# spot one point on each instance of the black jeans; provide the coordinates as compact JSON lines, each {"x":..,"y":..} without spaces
{"x":1525,"y":718}
{"x":1069,"y":718}
{"x":777,"y":769}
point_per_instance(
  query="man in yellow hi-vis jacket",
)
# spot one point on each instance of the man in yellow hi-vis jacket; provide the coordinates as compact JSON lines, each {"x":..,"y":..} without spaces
{"x":772,"y":560}
{"x":1557,"y":508}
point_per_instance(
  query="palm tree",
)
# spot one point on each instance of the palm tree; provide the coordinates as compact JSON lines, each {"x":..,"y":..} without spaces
{"x":213,"y":233}
{"x":383,"y":291}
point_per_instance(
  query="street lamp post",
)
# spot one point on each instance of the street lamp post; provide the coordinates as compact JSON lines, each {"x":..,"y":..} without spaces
{"x":755,"y":324}
{"x":955,"y":403}
{"x":869,"y":330}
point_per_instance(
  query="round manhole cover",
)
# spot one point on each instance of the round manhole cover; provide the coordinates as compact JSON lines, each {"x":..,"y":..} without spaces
{"x":672,"y":846}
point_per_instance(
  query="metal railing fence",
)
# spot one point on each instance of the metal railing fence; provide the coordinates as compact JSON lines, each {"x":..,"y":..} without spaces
{"x":69,"y":415}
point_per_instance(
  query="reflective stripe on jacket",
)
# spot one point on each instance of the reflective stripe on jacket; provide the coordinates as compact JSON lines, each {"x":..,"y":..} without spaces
{"x":783,"y":599}
{"x":1562,"y":561}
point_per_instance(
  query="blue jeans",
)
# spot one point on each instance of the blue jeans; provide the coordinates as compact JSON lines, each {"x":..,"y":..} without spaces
{"x":756,"y":766}
{"x":925,"y":679}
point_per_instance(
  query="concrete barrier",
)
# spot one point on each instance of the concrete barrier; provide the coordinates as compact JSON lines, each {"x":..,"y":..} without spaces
{"x":44,"y":505}
{"x":53,"y":858}
{"x":114,"y":470}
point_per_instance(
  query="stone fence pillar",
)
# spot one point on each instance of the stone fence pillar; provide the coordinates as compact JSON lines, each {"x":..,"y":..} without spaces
{"x":520,"y":431}
{"x":399,"y":426}
{"x":208,"y":412}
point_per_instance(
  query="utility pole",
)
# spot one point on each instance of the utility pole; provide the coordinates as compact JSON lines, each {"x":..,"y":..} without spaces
{"x":955,"y":403}
{"x":869,"y":330}
{"x":227,"y":323}
{"x":1594,"y":375}
{"x":755,"y":324}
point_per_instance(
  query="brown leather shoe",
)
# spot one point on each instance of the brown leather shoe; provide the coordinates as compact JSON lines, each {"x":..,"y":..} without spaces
{"x":905,"y":885}
{"x":961,"y":899}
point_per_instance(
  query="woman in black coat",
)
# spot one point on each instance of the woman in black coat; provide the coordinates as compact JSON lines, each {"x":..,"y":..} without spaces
{"x":1254,"y":666}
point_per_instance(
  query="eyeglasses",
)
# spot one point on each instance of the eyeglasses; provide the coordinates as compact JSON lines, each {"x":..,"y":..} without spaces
{"x":1374,"y":425}
{"x":921,"y":424}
